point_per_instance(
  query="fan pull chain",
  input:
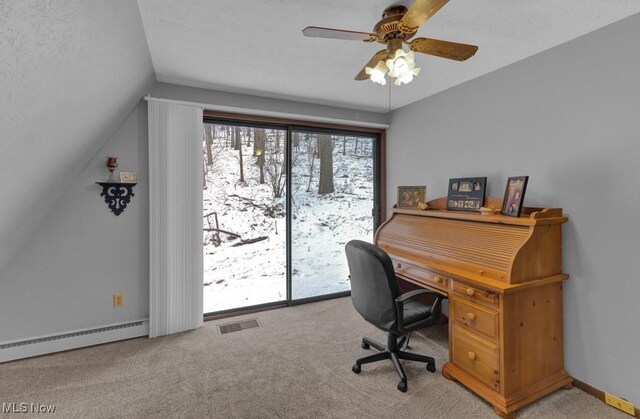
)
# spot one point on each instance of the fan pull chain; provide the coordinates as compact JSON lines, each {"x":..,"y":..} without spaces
{"x":389,"y":87}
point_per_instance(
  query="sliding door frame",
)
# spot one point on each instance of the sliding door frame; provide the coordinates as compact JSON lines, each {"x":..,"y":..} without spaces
{"x":290,"y":125}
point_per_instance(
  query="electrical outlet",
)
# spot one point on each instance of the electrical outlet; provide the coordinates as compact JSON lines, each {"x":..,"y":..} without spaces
{"x":118,"y":300}
{"x":619,"y":403}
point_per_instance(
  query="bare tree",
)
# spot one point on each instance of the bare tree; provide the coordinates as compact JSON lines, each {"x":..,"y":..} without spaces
{"x":312,"y":152}
{"x":295,"y":138}
{"x":276,"y":169}
{"x":208,"y":136}
{"x":236,"y":140}
{"x":259,"y":151}
{"x":325,"y":146}
{"x":238,"y":144}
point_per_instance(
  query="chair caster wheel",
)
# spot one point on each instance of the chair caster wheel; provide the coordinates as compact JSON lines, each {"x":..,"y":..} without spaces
{"x":431,"y":367}
{"x":402,"y":386}
{"x":356,"y":368}
{"x":365,"y":345}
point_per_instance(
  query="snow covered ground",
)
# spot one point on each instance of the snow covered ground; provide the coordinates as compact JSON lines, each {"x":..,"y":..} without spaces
{"x":255,"y":273}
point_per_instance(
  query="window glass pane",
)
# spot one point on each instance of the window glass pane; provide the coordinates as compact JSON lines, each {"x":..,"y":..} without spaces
{"x":244,"y":218}
{"x":332,"y":202}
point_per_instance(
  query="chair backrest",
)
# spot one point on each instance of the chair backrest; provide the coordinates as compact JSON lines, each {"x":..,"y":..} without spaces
{"x":374,"y":287}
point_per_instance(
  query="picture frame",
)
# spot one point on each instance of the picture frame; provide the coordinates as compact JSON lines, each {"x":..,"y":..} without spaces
{"x":466,"y":194}
{"x":410,"y":196}
{"x":128,"y":177}
{"x":514,"y":195}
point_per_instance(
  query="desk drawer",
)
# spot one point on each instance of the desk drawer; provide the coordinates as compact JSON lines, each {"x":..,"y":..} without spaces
{"x":421,"y":275}
{"x":475,"y":317}
{"x":475,"y":355}
{"x":475,"y":294}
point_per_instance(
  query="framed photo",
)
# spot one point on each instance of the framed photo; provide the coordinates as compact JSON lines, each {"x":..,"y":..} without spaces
{"x":466,"y":194}
{"x":411,"y":196}
{"x":128,"y":177}
{"x":514,"y":195}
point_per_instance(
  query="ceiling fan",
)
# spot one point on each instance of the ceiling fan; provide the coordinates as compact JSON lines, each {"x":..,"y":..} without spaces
{"x":397,"y":26}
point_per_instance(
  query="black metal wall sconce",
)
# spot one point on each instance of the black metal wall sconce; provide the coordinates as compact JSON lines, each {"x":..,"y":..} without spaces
{"x":117,"y":195}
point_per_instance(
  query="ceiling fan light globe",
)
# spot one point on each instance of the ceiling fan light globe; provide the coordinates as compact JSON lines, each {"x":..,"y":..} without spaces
{"x":401,"y":63}
{"x":379,"y":78}
{"x":377,"y":73}
{"x":406,"y":78}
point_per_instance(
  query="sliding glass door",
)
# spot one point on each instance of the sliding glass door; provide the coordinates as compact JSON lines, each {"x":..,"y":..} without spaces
{"x":279,"y":205}
{"x":332,"y":201}
{"x":244,"y":219}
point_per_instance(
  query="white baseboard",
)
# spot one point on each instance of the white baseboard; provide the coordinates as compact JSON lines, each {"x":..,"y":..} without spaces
{"x":40,"y":345}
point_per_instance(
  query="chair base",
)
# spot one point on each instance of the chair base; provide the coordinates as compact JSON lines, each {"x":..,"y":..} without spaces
{"x":392,"y":352}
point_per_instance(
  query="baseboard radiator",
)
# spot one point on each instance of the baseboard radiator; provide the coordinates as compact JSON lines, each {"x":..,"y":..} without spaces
{"x":25,"y":348}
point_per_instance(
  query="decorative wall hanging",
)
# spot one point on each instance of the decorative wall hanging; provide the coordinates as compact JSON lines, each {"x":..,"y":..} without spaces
{"x":117,"y":195}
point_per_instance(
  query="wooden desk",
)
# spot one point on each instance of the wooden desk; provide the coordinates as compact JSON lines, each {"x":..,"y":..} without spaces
{"x":503,"y":277}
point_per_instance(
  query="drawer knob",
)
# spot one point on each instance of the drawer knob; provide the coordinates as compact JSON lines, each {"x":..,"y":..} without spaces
{"x":438,"y":280}
{"x":471,"y":316}
{"x":471,"y":355}
{"x":398,"y":265}
{"x":470,"y":291}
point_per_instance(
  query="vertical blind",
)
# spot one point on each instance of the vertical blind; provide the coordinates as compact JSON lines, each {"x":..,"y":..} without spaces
{"x":175,"y":216}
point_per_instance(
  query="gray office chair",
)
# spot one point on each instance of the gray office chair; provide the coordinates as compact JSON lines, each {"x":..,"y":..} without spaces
{"x":376,"y":296}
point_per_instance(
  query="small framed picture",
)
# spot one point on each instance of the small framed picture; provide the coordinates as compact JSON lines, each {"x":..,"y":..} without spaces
{"x":466,"y":194}
{"x":411,"y":196}
{"x":128,"y":177}
{"x":514,"y":195}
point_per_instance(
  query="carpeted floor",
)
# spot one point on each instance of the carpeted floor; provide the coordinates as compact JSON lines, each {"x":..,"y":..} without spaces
{"x":297,"y":364}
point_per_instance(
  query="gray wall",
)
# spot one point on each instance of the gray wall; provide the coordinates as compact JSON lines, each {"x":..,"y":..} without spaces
{"x":232,"y":102}
{"x":64,"y":277}
{"x":65,"y":274}
{"x":70,"y":72}
{"x":570,"y":119}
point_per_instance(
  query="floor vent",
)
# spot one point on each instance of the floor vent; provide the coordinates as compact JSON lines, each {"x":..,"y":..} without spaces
{"x":70,"y":335}
{"x":237,"y":326}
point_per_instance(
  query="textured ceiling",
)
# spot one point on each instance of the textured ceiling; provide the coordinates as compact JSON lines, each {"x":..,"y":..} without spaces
{"x":257,"y":47}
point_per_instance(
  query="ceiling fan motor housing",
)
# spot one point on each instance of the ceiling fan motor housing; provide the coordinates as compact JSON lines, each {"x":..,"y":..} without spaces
{"x":389,"y":28}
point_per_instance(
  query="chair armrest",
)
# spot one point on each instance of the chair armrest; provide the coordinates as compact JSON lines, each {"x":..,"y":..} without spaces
{"x":412,"y":294}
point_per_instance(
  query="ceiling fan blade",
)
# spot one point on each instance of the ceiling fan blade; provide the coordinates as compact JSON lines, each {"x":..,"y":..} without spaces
{"x":444,"y":49}
{"x":318,"y":32}
{"x":378,"y":56}
{"x":419,"y":13}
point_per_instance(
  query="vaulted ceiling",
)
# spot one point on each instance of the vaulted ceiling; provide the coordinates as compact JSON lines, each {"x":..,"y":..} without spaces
{"x":257,"y":47}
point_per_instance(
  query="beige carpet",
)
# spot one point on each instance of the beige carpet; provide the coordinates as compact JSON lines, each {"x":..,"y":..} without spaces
{"x":297,"y":364}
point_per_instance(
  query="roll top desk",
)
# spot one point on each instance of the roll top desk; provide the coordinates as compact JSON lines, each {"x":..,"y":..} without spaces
{"x":503,"y":277}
